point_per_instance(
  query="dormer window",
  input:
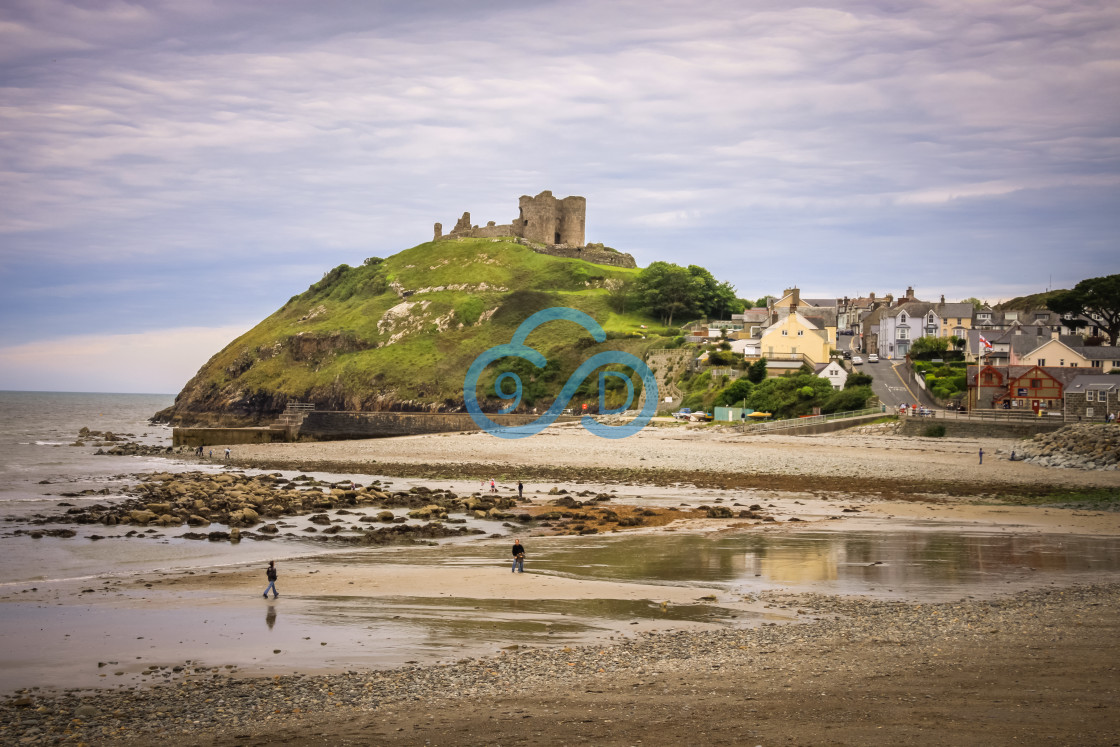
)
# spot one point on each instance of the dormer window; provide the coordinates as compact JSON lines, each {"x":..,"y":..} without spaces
{"x":902,"y":318}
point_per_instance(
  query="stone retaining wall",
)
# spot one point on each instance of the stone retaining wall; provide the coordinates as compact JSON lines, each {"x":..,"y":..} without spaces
{"x":912,"y":426}
{"x":322,"y":425}
{"x":226,"y":436}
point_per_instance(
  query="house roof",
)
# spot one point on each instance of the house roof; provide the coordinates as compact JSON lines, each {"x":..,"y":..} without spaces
{"x":1099,"y":352}
{"x":958,"y":310}
{"x":821,"y":302}
{"x":913,"y":308}
{"x":1093,"y":382}
{"x":1010,"y":373}
{"x":822,"y":317}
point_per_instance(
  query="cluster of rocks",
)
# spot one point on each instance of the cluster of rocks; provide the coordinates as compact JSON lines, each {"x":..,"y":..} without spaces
{"x":205,"y":704}
{"x":240,"y":502}
{"x":1087,"y":446}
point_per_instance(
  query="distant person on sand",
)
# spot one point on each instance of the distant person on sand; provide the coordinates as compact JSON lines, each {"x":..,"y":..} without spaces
{"x":981,"y":455}
{"x":271,"y":574}
{"x":493,"y":486}
{"x":227,"y":453}
{"x":518,"y":557}
{"x":520,"y":488}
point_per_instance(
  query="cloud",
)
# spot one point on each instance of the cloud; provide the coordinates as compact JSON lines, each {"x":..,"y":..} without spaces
{"x":154,"y":142}
{"x":160,"y":361}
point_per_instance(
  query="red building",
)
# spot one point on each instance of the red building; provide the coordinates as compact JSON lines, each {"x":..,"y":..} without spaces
{"x":1018,"y":387}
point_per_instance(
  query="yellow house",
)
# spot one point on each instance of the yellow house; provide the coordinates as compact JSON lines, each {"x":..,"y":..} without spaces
{"x":793,"y":340}
{"x":1097,"y":359}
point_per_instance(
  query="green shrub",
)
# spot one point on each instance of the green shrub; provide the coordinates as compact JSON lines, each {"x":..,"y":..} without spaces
{"x":934,"y":431}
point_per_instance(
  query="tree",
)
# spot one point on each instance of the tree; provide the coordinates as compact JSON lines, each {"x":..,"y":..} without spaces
{"x":619,"y":293}
{"x":929,"y":347}
{"x":667,"y":289}
{"x":855,"y":378}
{"x":1099,"y":297}
{"x":977,"y":304}
{"x":757,"y":372}
{"x":734,"y":393}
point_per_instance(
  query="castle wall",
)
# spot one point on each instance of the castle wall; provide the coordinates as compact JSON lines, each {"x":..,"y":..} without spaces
{"x":542,"y":219}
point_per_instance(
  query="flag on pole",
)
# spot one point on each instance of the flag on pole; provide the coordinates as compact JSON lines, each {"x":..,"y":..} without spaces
{"x":985,"y":344}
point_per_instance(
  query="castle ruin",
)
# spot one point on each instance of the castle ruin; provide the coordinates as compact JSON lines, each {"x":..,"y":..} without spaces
{"x":542,"y":219}
{"x":547,"y":226}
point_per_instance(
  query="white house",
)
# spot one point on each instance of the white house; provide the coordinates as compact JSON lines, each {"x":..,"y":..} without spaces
{"x":835,"y":374}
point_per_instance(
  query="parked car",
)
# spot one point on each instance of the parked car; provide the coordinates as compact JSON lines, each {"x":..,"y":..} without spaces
{"x":847,"y":355}
{"x":683,"y":414}
{"x":857,"y":361}
{"x":873,"y":358}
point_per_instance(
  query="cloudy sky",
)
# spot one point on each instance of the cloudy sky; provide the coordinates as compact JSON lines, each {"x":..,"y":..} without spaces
{"x":173,"y":171}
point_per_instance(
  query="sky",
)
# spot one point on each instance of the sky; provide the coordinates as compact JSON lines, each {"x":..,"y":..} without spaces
{"x":171,"y":172}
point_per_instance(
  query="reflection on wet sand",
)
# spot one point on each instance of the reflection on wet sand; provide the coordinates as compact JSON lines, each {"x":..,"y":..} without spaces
{"x":915,"y":564}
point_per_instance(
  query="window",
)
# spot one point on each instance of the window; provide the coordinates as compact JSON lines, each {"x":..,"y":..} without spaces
{"x":988,"y":378}
{"x":902,"y":318}
{"x":1089,"y":396}
{"x":800,"y":333}
{"x":1041,"y":361}
{"x":1036,"y":383}
{"x":1072,"y":364}
{"x":785,"y":333}
{"x":903,"y":333}
{"x":1088,"y":412}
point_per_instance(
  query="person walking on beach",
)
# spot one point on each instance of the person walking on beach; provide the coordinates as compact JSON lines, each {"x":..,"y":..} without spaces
{"x":271,"y":575}
{"x":518,"y":557}
{"x":981,"y":455}
{"x":520,"y":488}
{"x":227,"y":453}
{"x":493,"y":486}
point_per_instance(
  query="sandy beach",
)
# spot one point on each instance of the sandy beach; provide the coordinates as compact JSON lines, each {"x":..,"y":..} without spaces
{"x":708,"y":457}
{"x":999,"y":664}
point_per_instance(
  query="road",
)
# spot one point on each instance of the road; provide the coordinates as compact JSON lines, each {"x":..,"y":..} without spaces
{"x":888,"y":381}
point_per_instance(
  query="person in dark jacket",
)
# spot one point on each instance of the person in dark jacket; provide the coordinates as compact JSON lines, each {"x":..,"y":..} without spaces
{"x":518,"y":557}
{"x":271,"y":574}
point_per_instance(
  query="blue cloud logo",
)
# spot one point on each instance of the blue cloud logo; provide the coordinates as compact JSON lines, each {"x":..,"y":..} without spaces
{"x":516,"y":348}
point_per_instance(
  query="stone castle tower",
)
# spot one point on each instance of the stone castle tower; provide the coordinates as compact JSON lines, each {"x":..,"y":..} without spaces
{"x":542,"y":219}
{"x":547,"y":220}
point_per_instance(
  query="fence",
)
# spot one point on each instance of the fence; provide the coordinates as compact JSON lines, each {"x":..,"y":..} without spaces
{"x":782,"y":425}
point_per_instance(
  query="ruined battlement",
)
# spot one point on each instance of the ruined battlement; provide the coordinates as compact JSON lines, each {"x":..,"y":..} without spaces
{"x":546,"y":225}
{"x":542,"y":219}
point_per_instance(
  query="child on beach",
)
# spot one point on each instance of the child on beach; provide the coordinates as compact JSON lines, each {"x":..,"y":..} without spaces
{"x":271,"y":575}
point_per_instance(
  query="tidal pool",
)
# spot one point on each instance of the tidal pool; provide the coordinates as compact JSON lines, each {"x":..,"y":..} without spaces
{"x":923,"y":563}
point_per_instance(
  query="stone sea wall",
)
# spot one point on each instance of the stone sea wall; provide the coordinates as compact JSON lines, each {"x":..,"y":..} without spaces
{"x":1088,"y":446}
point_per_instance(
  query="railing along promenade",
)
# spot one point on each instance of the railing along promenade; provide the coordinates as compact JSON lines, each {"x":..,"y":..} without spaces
{"x":783,"y":425}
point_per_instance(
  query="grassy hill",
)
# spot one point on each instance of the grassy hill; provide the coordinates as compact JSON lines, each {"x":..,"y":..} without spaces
{"x":1027,"y":303}
{"x":400,"y":333}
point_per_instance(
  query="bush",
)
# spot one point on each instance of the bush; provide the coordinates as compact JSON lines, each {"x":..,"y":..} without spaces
{"x":934,"y":431}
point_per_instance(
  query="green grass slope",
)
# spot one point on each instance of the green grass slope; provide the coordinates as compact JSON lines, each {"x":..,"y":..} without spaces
{"x":400,"y":333}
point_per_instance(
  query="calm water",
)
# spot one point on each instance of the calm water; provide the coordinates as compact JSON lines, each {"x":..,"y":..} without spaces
{"x":37,"y":428}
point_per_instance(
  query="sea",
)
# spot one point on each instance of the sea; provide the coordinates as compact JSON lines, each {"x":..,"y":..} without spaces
{"x":41,"y":468}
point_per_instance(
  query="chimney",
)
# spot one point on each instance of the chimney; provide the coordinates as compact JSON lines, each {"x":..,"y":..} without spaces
{"x":1054,"y":334}
{"x":872,"y":297}
{"x":910,"y":292}
{"x":890,"y":299}
{"x":942,"y":299}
